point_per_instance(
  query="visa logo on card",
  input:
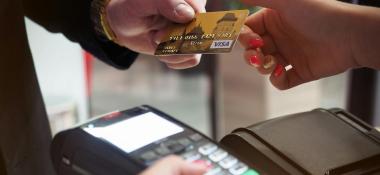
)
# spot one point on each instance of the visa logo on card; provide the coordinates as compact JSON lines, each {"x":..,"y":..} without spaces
{"x":207,"y":33}
{"x":220,"y":44}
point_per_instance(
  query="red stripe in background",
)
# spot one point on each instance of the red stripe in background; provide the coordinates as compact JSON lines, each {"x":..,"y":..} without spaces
{"x":88,"y":62}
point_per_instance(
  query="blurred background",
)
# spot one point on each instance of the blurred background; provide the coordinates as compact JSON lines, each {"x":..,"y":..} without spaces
{"x":219,"y":95}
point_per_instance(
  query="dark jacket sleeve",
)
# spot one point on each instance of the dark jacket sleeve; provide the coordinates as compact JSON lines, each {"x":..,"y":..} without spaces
{"x":72,"y":18}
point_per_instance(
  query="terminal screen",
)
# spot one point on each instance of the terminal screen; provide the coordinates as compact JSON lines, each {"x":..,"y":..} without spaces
{"x":135,"y":132}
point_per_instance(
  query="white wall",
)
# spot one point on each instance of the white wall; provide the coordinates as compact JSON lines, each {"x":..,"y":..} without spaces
{"x":330,"y":92}
{"x":60,"y":69}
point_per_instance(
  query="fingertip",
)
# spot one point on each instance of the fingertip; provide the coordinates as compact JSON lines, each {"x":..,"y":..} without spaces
{"x":245,"y":29}
{"x":192,"y":62}
{"x":268,"y":65}
{"x":255,"y":61}
{"x":277,"y":78}
{"x":269,"y":62}
{"x":278,"y":82}
{"x":194,"y":169}
{"x":176,"y":10}
{"x":174,"y":158}
{"x":199,"y":6}
{"x":256,"y":43}
{"x":156,"y":37}
{"x":198,"y":57}
{"x":278,"y":70}
{"x":184,"y":12}
{"x":195,"y":61}
{"x":287,"y":79}
{"x":253,"y":58}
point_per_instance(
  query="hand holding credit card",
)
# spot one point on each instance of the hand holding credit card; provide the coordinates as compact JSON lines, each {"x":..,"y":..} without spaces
{"x":208,"y":33}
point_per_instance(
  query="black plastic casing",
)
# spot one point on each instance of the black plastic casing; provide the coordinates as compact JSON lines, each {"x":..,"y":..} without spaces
{"x":318,"y":142}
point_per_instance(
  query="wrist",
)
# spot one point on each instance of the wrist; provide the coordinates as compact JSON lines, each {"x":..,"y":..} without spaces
{"x":366,"y":39}
{"x":100,"y":20}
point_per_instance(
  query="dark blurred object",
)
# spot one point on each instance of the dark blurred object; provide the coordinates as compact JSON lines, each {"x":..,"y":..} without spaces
{"x":374,"y":3}
{"x":2,"y":163}
{"x":362,"y":93}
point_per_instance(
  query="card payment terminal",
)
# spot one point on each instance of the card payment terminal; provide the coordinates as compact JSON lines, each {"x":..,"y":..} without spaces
{"x":123,"y":143}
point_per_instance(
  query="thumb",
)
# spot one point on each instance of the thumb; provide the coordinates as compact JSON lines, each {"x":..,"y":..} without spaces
{"x":192,"y":169}
{"x":174,"y":165}
{"x":176,"y":10}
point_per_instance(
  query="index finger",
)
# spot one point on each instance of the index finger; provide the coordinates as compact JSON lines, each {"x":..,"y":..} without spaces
{"x":246,"y":35}
{"x":256,"y":22}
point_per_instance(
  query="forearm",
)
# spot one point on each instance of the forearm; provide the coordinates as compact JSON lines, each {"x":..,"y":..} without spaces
{"x":365,"y":31}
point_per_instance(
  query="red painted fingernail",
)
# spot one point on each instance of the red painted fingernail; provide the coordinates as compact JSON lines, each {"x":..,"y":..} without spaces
{"x":256,"y":43}
{"x":254,"y":60}
{"x":278,"y":70}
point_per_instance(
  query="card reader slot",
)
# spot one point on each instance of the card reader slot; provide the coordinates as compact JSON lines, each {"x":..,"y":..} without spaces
{"x":363,"y":167}
{"x":353,"y":123}
{"x":279,"y":153}
{"x":358,"y":124}
{"x":351,"y":119}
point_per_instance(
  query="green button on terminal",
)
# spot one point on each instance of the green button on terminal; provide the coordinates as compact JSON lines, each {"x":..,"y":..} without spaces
{"x":251,"y":172}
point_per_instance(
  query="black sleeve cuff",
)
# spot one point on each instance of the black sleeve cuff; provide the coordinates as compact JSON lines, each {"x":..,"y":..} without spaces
{"x":110,"y":52}
{"x":105,"y":50}
{"x":72,"y":18}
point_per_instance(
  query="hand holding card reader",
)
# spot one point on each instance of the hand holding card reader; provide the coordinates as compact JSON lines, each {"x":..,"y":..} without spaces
{"x":127,"y":142}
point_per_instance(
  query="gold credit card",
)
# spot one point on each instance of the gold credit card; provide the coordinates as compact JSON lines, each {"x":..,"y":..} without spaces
{"x":212,"y":32}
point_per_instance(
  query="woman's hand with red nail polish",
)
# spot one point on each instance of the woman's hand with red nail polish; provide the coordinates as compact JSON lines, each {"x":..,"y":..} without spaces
{"x":140,"y":24}
{"x":318,"y":38}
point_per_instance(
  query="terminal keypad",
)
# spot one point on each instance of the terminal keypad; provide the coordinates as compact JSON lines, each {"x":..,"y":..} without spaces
{"x":195,"y":148}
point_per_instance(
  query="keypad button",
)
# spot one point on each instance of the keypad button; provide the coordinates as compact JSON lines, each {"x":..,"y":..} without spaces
{"x":148,"y":156}
{"x":163,"y":150}
{"x":228,"y":162}
{"x":196,"y":137}
{"x":251,"y":172}
{"x":184,"y":141}
{"x":176,"y":148}
{"x":190,"y":147}
{"x":214,"y":171}
{"x":218,"y":155}
{"x":239,"y":168}
{"x":207,"y":149}
{"x":191,"y":156}
{"x":169,"y":142}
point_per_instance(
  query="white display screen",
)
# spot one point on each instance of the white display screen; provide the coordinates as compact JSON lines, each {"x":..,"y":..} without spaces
{"x":136,"y":132}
